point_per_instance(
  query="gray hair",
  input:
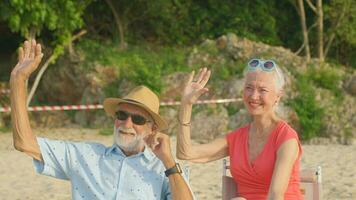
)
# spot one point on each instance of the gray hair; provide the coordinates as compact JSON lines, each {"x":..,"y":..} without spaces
{"x":278,"y":76}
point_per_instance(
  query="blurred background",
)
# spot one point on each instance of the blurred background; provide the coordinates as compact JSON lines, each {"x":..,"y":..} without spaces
{"x":96,"y":49}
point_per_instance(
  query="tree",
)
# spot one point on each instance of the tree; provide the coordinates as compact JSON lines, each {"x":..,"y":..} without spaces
{"x":118,"y":22}
{"x":60,"y":17}
{"x":341,"y":15}
{"x":318,"y":10}
{"x":305,"y":46}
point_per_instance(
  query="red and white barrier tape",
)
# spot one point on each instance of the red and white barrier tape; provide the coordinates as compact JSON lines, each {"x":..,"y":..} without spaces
{"x":99,"y":106}
{"x":4,"y":91}
{"x":175,"y":103}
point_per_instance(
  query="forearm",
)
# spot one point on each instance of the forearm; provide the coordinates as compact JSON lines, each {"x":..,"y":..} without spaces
{"x":179,"y":187}
{"x":184,"y":146}
{"x":196,"y":153}
{"x":24,"y":140}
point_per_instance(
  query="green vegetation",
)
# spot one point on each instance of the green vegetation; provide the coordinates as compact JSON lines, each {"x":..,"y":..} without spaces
{"x":106,"y":131}
{"x":327,"y":78}
{"x":5,"y":129}
{"x":309,"y":112}
{"x":140,"y":64}
{"x":151,"y":39}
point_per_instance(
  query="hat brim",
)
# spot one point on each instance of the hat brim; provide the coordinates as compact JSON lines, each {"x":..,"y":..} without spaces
{"x":111,"y":104}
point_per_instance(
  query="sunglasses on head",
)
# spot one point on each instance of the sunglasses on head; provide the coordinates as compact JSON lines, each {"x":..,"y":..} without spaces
{"x":267,"y":65}
{"x":135,"y":118}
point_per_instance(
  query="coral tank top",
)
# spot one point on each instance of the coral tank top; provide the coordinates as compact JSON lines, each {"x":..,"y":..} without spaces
{"x":254,"y":178}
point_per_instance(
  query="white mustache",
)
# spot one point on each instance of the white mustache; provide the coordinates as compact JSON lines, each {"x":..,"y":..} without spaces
{"x":126,"y":130}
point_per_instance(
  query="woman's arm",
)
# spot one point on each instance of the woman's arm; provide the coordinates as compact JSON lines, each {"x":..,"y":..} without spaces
{"x":185,"y":150}
{"x":287,"y":154}
{"x":24,"y":140}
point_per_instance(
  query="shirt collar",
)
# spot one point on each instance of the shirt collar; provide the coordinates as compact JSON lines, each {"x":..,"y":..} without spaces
{"x":147,"y":153}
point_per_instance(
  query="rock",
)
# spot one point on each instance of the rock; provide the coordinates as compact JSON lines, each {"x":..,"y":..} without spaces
{"x":209,"y":124}
{"x":92,"y":94}
{"x":170,"y":114}
{"x":350,"y":85}
{"x":231,"y":41}
{"x":221,"y":42}
{"x":49,"y":119}
{"x":63,"y":83}
{"x":239,"y":119}
{"x":232,"y":88}
{"x":173,"y":86}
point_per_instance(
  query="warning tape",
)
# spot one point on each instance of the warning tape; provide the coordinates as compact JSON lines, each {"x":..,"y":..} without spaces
{"x":99,"y":106}
{"x":4,"y":91}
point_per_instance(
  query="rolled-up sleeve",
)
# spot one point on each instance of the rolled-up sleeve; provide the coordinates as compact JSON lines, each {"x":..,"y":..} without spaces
{"x":56,"y":158}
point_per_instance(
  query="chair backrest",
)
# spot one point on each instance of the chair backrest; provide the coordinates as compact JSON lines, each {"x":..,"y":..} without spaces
{"x":310,"y":183}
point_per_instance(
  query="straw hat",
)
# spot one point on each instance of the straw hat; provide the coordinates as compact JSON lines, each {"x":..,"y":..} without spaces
{"x":140,"y":96}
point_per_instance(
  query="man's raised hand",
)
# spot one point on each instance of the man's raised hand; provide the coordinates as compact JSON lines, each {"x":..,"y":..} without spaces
{"x":30,"y":56}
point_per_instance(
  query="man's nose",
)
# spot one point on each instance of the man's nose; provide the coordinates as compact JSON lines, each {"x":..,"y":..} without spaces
{"x":128,"y":122}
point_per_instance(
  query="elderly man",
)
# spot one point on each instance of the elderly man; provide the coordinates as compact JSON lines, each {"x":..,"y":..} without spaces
{"x":126,"y":170}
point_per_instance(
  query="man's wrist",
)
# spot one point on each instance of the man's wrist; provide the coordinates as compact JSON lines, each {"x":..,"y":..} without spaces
{"x":17,"y":79}
{"x":173,"y":170}
{"x":169,"y":163}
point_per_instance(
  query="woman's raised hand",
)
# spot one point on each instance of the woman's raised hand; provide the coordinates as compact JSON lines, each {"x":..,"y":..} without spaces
{"x":30,"y":56}
{"x":195,"y":86}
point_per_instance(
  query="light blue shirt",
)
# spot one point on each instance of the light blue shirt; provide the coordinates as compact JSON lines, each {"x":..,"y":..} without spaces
{"x":99,"y":172}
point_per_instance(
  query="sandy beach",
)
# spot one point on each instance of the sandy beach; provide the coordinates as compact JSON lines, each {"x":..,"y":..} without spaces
{"x":18,"y":180}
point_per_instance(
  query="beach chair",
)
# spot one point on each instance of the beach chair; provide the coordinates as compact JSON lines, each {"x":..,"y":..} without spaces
{"x":310,"y":185}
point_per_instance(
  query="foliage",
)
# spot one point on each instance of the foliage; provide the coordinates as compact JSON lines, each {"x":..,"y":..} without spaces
{"x":140,"y":64}
{"x":327,"y":78}
{"x":182,"y":22}
{"x":341,"y":20}
{"x":106,"y":131}
{"x":309,"y":112}
{"x":5,"y":130}
{"x":185,"y":22}
{"x":60,"y":18}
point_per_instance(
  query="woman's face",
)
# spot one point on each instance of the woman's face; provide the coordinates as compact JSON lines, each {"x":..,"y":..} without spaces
{"x":260,"y":93}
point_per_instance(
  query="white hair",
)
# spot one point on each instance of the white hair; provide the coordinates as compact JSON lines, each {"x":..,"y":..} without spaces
{"x":279,"y":77}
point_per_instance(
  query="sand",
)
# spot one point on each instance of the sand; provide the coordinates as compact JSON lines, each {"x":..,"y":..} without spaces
{"x":18,"y":180}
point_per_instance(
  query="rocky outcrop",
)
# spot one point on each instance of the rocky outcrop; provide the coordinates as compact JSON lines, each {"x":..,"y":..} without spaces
{"x":227,"y":54}
{"x":233,"y":52}
{"x":350,"y":85}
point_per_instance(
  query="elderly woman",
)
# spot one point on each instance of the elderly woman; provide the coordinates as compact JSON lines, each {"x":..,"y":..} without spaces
{"x":265,"y":153}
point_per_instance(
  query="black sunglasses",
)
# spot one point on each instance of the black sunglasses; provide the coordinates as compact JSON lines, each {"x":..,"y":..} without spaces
{"x":135,"y":118}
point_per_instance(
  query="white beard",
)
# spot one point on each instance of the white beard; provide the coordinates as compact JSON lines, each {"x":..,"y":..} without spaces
{"x":134,"y":144}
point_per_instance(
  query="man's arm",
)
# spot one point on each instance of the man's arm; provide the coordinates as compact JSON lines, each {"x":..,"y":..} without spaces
{"x":160,"y":145}
{"x":24,"y":140}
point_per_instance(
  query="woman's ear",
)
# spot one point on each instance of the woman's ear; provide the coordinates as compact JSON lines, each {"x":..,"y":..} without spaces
{"x":279,"y":95}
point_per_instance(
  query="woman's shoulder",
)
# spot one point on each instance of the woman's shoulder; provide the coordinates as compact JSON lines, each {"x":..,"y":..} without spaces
{"x":285,"y":128}
{"x":285,"y":132}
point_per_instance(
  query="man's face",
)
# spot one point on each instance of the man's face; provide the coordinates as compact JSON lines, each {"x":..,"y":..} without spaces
{"x":127,"y":134}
